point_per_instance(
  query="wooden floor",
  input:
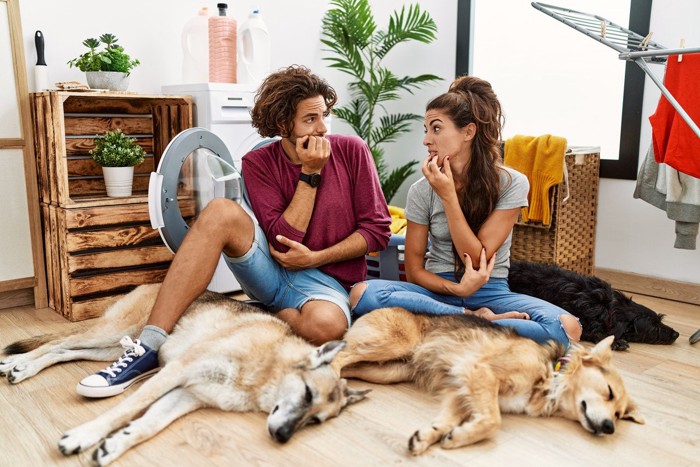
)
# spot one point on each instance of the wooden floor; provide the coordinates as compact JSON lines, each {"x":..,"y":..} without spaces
{"x":664,"y":380}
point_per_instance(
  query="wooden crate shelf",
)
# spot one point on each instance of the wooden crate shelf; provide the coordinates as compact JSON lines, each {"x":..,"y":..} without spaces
{"x":100,"y":252}
{"x":65,"y":127}
{"x":98,"y":248}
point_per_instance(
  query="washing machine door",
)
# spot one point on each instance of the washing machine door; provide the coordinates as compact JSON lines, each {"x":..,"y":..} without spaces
{"x":195,"y":168}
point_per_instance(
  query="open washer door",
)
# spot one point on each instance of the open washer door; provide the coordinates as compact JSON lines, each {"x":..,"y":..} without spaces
{"x":195,"y":168}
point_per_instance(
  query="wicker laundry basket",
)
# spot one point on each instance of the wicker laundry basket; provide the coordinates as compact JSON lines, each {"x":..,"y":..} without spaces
{"x":569,"y":241}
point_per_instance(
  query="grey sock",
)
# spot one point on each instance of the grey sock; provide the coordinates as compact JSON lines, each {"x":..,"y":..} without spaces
{"x":153,"y":336}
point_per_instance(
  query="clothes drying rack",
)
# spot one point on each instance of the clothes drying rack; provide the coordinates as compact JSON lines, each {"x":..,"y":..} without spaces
{"x":630,"y":46}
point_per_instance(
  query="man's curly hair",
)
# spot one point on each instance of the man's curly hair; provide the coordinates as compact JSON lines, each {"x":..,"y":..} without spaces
{"x":279,"y":95}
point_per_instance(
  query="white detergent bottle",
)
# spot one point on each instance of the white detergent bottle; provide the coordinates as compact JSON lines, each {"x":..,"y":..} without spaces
{"x":195,"y":48}
{"x":254,"y":50}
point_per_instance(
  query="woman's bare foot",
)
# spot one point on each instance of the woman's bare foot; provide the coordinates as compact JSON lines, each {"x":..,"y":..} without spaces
{"x":486,"y":313}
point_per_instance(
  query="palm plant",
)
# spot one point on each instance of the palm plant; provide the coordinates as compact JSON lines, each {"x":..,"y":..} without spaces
{"x":350,"y":33}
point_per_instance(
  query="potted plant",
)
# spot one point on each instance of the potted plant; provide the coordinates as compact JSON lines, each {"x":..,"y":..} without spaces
{"x":117,"y":154}
{"x":351,"y":34}
{"x":108,"y":68}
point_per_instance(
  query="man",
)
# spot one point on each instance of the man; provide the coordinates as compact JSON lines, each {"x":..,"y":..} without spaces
{"x":320,"y":209}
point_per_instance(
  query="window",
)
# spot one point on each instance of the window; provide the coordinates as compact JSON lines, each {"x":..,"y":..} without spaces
{"x":553,"y":79}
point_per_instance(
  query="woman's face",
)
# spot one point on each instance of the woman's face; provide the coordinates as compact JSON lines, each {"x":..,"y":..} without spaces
{"x":443,"y":138}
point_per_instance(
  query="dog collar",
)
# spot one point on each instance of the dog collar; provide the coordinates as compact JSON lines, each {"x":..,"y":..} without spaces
{"x":561,"y":362}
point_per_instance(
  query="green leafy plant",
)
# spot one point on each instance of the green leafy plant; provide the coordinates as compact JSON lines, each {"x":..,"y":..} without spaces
{"x":111,"y":58}
{"x":115,"y":149}
{"x":350,"y":33}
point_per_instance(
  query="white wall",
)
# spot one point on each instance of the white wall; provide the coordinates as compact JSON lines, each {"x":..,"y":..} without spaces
{"x":632,"y":235}
{"x":151,"y":31}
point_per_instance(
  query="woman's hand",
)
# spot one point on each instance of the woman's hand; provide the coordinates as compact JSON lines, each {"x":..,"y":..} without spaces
{"x":439,"y":178}
{"x":473,"y":279}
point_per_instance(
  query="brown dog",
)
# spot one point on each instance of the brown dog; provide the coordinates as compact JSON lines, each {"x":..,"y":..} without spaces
{"x":480,"y":370}
{"x":223,"y":354}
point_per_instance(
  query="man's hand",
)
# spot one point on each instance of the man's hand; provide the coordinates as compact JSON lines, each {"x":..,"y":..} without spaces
{"x":314,"y":152}
{"x":297,"y":257}
{"x":472,"y":280}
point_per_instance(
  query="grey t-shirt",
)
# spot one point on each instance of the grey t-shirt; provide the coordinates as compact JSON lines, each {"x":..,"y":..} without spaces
{"x":423,"y":206}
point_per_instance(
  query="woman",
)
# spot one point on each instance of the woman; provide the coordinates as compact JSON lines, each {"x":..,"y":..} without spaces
{"x":466,"y":206}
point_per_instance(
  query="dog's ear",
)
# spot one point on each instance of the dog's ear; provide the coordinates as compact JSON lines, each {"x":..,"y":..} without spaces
{"x":325,"y":354}
{"x":352,"y":395}
{"x":602,"y":351}
{"x":632,"y":413}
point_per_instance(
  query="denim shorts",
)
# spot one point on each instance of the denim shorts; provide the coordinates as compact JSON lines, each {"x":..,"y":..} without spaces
{"x":264,"y":279}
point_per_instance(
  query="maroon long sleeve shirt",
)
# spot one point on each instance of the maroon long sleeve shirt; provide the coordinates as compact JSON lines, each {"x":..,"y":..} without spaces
{"x":349,"y":199}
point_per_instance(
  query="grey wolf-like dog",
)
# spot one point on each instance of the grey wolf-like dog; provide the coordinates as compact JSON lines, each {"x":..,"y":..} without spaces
{"x":602,"y":310}
{"x":217,"y":345}
{"x":481,"y":370}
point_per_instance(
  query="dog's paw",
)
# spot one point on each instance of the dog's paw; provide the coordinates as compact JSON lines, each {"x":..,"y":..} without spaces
{"x":19,"y":373}
{"x":7,"y":364}
{"x":77,"y":440}
{"x":22,"y":371}
{"x":416,"y":446}
{"x":448,"y":441}
{"x":113,"y":447}
{"x":422,"y":439}
{"x":620,"y":344}
{"x":105,"y":453}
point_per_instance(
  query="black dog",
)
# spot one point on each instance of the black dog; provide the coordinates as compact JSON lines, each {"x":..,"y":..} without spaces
{"x":602,"y":310}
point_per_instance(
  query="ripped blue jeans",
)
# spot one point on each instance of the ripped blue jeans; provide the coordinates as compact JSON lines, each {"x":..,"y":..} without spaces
{"x":543,"y":325}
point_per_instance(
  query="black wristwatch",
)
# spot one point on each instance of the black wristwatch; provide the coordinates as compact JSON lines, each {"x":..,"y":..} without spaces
{"x":312,"y":179}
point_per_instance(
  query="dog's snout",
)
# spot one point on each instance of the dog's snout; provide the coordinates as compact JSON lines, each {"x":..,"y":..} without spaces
{"x":608,"y":427}
{"x":282,"y":434}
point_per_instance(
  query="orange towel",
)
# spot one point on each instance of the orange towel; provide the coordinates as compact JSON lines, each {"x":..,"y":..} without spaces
{"x":541,"y":159}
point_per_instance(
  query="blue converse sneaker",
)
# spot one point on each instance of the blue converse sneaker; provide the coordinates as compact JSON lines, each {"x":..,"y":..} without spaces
{"x":138,"y":362}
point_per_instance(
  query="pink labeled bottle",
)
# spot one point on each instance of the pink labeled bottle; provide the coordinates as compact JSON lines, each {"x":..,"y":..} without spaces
{"x":222,"y":47}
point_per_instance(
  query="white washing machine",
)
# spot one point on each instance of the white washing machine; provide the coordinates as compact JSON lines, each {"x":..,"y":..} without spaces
{"x":223,"y":109}
{"x":203,"y":163}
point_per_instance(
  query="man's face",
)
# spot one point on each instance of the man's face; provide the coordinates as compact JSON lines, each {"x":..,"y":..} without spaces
{"x":308,"y":120}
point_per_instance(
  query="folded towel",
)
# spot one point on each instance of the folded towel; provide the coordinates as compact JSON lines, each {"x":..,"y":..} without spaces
{"x":398,"y":220}
{"x":541,"y":159}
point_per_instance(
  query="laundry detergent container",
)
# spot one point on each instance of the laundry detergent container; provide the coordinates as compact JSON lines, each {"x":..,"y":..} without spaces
{"x":254,"y":50}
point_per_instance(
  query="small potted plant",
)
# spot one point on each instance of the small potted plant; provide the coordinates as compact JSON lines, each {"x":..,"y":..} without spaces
{"x":108,"y":68}
{"x":117,"y":154}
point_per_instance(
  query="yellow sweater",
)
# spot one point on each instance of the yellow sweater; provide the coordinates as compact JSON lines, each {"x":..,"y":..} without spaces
{"x":541,"y":159}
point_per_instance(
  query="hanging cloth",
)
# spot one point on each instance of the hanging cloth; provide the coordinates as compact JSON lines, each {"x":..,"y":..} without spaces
{"x":674,"y":192}
{"x":675,"y":143}
{"x":541,"y":160}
